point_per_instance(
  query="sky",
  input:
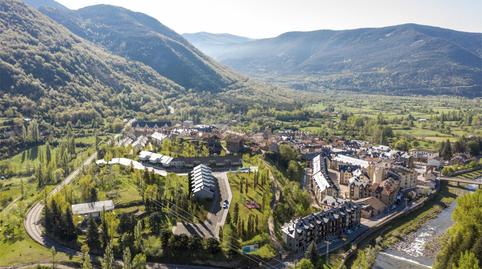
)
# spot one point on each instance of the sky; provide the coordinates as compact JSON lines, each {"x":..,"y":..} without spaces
{"x":269,"y":18}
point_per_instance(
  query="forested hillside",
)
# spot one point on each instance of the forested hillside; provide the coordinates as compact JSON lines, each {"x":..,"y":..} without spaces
{"x":402,"y":59}
{"x":142,"y":38}
{"x":53,"y":76}
{"x":49,"y":74}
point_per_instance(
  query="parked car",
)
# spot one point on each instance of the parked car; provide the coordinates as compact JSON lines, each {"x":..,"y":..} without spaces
{"x":225,"y":204}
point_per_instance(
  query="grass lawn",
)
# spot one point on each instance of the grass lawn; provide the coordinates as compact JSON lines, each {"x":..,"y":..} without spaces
{"x":254,"y":195}
{"x":26,"y":251}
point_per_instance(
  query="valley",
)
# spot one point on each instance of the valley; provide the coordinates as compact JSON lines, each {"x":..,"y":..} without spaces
{"x":124,"y":144}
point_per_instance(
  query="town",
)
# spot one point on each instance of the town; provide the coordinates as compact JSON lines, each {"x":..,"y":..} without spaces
{"x":352,"y":187}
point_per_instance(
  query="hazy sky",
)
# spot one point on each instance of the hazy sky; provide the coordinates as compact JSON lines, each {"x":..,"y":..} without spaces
{"x":267,"y":18}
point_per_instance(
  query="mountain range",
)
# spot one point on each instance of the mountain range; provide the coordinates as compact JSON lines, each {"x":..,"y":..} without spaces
{"x":89,"y":65}
{"x":401,"y":59}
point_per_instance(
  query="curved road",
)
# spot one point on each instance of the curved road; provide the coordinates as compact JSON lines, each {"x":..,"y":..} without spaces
{"x":32,"y":222}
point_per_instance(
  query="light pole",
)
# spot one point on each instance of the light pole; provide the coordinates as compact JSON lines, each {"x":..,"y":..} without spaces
{"x":327,"y":249}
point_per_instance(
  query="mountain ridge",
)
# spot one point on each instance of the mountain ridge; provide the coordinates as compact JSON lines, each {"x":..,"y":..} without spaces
{"x":139,"y":37}
{"x":400,"y":59}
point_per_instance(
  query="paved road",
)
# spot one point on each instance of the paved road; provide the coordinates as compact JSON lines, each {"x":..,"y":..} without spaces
{"x":216,"y":215}
{"x":32,"y":222}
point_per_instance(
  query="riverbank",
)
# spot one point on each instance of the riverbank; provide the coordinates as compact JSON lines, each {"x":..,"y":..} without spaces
{"x":401,"y":228}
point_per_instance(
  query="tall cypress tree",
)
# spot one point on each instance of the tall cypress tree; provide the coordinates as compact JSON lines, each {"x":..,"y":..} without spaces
{"x":93,"y":235}
{"x":70,"y":232}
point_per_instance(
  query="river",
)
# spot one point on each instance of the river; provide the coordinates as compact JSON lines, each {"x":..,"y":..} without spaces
{"x":411,"y":253}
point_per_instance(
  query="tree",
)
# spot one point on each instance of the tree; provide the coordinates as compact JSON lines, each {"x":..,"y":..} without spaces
{"x":474,"y":148}
{"x":69,"y":226}
{"x":294,"y":170}
{"x":126,"y":258}
{"x":139,"y":261}
{"x":212,"y":245}
{"x":48,"y":154}
{"x":165,"y":235}
{"x":93,"y":235}
{"x":228,"y":218}
{"x":467,"y":260}
{"x":236,"y":213}
{"x":304,"y":264}
{"x":108,"y":260}
{"x":86,"y":264}
{"x":53,"y":252}
{"x":195,"y":244}
{"x":311,"y":253}
{"x":446,"y":150}
{"x":93,"y":195}
{"x":105,"y":237}
{"x":155,"y":222}
{"x":138,"y":237}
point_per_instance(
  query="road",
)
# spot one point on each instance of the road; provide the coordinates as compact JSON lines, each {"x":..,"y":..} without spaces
{"x":32,"y":222}
{"x":216,"y":215}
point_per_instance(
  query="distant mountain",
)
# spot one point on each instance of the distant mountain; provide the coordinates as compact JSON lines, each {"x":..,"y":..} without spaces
{"x":142,"y":38}
{"x":214,"y":44}
{"x":402,"y":59}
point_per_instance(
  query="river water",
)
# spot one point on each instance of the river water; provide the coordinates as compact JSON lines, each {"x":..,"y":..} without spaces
{"x":411,"y":253}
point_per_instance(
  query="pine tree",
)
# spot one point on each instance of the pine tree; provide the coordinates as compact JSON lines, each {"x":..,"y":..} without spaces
{"x":126,"y":258}
{"x":68,"y":223}
{"x":247,"y":183}
{"x":108,"y":260}
{"x":311,"y":253}
{"x":139,"y":261}
{"x":467,"y":260}
{"x":86,"y":264}
{"x":48,"y":153}
{"x":236,"y":213}
{"x":93,"y":235}
{"x":105,"y":231}
{"x":228,"y":218}
{"x":138,"y":237}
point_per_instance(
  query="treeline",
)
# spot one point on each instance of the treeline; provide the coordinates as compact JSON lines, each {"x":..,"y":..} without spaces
{"x":54,"y":165}
{"x":463,"y":249}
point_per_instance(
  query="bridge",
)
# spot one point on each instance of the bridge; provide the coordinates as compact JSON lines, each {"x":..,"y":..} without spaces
{"x":459,"y":180}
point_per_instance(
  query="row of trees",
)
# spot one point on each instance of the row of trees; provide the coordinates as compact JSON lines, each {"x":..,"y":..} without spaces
{"x":463,"y":249}
{"x":463,"y":145}
{"x":58,"y":220}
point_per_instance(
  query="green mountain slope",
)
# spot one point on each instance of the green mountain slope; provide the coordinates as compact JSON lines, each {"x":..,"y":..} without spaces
{"x":46,"y":72}
{"x":139,"y":37}
{"x":402,"y":59}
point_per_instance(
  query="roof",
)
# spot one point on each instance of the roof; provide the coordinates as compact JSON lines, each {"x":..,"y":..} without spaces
{"x":89,"y":208}
{"x":320,"y":174}
{"x":322,"y":182}
{"x":347,"y":159}
{"x":312,"y":220}
{"x":158,"y":136}
{"x":359,"y":181}
{"x":374,"y":202}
